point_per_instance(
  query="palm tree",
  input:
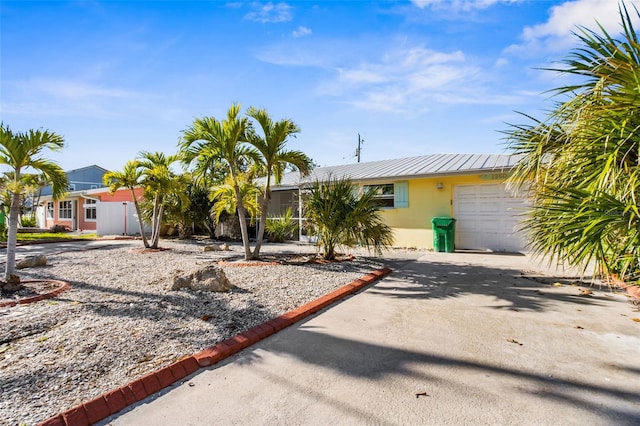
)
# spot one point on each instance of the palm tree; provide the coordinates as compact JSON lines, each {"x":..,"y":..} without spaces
{"x":35,"y":184}
{"x":274,"y":159}
{"x":22,"y":151}
{"x":339,"y":217}
{"x":129,"y":178}
{"x":179,"y":209}
{"x":210,"y":141}
{"x":158,"y":180}
{"x":581,"y":162}
{"x":225,"y":200}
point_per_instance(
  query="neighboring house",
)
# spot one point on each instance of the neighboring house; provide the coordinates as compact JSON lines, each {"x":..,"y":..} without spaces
{"x":82,"y":179}
{"x":88,"y":206}
{"x":467,"y":187}
{"x":92,"y":210}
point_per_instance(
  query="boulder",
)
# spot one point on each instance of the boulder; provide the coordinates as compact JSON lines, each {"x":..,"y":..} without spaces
{"x":216,"y":247}
{"x":209,"y":278}
{"x":32,"y":261}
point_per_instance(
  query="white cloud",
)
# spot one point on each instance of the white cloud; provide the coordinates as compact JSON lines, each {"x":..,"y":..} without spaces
{"x":306,"y":53}
{"x":501,"y":62}
{"x":409,"y":80}
{"x":557,"y":32}
{"x":400,"y":77}
{"x":72,"y":90}
{"x":60,"y":97}
{"x":301,"y":32}
{"x":462,"y":5}
{"x":270,"y":12}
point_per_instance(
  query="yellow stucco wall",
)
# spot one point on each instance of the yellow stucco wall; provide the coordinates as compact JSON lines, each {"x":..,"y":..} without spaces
{"x":412,"y":225}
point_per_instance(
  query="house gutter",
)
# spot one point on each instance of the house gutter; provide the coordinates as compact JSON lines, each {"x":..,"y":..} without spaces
{"x":89,"y":198}
{"x":307,"y":183}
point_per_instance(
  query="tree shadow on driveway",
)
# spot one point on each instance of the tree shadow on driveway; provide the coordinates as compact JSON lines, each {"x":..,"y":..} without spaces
{"x":510,"y":288}
{"x":471,"y":385}
{"x":447,"y":327}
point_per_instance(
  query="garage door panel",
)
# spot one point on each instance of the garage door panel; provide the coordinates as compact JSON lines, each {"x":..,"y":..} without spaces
{"x":467,"y":190}
{"x":488,"y":217}
{"x":467,"y":207}
{"x":489,"y":208}
{"x":488,"y":191}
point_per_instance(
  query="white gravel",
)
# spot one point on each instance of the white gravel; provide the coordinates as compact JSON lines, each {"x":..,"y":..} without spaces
{"x":119,"y":321}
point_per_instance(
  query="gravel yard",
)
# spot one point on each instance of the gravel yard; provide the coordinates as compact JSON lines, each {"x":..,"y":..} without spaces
{"x":119,"y":321}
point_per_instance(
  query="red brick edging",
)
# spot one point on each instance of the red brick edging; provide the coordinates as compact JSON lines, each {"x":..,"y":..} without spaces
{"x":112,"y":402}
{"x":632,"y":290}
{"x":64,"y":286}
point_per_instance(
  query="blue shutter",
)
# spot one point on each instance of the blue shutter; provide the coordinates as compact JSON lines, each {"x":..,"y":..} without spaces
{"x":401,"y":195}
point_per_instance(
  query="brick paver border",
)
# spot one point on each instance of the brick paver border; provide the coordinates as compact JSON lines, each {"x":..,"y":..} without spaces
{"x":62,"y":286}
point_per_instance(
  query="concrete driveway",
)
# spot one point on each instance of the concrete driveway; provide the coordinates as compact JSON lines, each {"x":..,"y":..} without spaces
{"x":458,"y":338}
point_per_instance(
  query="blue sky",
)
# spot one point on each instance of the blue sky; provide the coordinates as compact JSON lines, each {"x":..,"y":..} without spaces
{"x":411,"y":77}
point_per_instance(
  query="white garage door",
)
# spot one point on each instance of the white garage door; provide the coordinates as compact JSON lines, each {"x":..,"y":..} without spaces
{"x":487,"y":218}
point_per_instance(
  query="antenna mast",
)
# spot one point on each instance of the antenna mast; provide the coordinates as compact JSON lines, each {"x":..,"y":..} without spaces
{"x":358,"y":150}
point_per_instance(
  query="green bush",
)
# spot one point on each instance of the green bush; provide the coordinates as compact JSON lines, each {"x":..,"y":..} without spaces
{"x":279,"y":229}
{"x":28,"y":221}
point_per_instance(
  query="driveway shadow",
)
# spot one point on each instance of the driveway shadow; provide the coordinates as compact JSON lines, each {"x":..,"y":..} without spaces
{"x":373,"y":362}
{"x":512,"y":289}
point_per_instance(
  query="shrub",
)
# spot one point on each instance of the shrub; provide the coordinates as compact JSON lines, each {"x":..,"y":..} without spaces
{"x":28,"y":221}
{"x":283,"y":228}
{"x":59,"y":229}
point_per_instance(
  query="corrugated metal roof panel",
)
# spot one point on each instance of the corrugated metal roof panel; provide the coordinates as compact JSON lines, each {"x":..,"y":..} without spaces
{"x":435,"y":164}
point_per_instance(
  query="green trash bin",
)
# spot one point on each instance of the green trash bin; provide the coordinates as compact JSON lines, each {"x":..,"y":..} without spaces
{"x":444,"y":234}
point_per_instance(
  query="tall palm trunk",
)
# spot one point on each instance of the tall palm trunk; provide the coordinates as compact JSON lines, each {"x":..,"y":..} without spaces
{"x":263,"y":219}
{"x":12,"y":236}
{"x":156,"y":221}
{"x":242,"y":216}
{"x":145,"y":241}
{"x":158,"y":226}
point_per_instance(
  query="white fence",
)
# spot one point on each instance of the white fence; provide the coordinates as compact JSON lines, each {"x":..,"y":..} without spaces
{"x":117,"y":219}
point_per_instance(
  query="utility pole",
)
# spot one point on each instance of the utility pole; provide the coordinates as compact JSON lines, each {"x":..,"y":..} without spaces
{"x":360,"y":141}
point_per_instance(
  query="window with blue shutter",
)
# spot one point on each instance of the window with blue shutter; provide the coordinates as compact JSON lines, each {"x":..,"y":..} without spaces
{"x":401,"y":195}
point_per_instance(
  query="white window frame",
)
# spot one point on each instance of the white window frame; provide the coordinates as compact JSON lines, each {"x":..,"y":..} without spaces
{"x":386,"y":199}
{"x":90,"y":206}
{"x":49,"y":210}
{"x":396,"y":199}
{"x":66,"y":207}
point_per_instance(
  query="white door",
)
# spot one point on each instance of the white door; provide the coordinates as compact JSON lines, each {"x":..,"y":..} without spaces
{"x":74,"y":215}
{"x":40,"y":217}
{"x":488,"y":218}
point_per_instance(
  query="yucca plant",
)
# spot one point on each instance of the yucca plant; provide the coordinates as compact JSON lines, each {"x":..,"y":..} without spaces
{"x":338,"y":216}
{"x":581,"y":163}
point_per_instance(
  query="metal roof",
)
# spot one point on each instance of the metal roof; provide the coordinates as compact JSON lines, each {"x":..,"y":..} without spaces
{"x":421,"y":166}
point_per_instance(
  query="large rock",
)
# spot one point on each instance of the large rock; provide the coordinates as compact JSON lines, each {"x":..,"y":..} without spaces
{"x":216,"y":247}
{"x":32,"y":261}
{"x":209,"y":278}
